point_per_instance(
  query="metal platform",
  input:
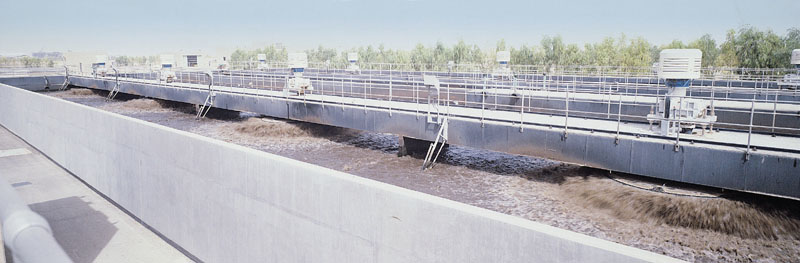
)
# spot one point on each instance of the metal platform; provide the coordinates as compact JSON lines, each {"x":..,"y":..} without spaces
{"x":745,"y":161}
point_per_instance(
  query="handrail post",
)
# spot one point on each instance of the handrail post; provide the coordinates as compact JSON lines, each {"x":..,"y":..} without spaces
{"x":566,"y":114}
{"x":750,"y":127}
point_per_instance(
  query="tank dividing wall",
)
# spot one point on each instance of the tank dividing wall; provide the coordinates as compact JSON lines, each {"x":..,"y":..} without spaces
{"x":228,"y":203}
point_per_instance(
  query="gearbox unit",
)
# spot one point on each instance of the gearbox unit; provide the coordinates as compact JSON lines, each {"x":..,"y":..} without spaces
{"x":296,"y":82}
{"x":352,"y":66}
{"x":675,"y":112}
{"x":99,"y":65}
{"x":503,"y":71}
{"x":792,"y":80}
{"x":166,"y":72}
{"x":262,"y":61}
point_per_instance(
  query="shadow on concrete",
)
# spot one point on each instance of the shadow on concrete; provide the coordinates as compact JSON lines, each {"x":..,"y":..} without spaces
{"x":82,"y":231}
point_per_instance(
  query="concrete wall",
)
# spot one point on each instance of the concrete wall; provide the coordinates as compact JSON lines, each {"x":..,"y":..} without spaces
{"x":39,"y":83}
{"x":227,"y":203}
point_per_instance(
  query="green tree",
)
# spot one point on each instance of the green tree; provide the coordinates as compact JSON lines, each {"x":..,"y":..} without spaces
{"x":637,"y":53}
{"x":727,"y":51}
{"x":708,"y":46}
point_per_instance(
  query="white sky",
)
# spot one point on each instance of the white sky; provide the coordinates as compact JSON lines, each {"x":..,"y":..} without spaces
{"x":147,"y":27}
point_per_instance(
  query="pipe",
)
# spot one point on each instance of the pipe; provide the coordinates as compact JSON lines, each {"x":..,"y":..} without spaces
{"x":26,"y":233}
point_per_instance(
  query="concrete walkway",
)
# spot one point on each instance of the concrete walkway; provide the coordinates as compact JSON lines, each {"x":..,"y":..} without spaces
{"x":88,"y":227}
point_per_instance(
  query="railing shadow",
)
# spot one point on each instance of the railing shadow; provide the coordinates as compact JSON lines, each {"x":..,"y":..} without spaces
{"x":81,"y":230}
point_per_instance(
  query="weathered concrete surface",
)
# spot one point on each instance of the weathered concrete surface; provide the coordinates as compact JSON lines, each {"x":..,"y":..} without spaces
{"x":228,"y":203}
{"x":87,"y":226}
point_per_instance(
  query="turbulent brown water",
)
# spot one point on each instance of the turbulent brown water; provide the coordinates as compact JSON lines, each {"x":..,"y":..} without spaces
{"x":718,"y":214}
{"x":81,"y":92}
{"x":737,"y":227}
{"x":259,"y":127}
{"x":142,"y":104}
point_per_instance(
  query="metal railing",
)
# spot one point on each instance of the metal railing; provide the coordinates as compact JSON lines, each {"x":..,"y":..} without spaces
{"x":487,"y":93}
{"x":26,"y":72}
{"x":26,"y":233}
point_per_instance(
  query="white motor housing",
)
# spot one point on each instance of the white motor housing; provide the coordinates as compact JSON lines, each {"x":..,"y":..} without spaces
{"x":298,"y":60}
{"x":99,"y":66}
{"x":101,"y":59}
{"x":297,"y":64}
{"x":166,"y":73}
{"x":262,"y":61}
{"x":680,"y":64}
{"x":503,"y":57}
{"x":167,"y":59}
{"x":503,"y":71}
{"x":675,"y":112}
{"x":352,"y":58}
{"x":792,"y":81}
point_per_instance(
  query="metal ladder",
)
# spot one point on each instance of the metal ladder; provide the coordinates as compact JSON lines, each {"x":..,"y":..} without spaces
{"x":114,"y":91}
{"x":433,"y":153}
{"x":206,"y":107}
{"x":66,"y":79}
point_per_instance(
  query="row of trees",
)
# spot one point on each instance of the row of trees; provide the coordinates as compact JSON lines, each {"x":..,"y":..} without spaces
{"x":52,"y":61}
{"x":747,"y":47}
{"x":135,"y":60}
{"x":26,"y":61}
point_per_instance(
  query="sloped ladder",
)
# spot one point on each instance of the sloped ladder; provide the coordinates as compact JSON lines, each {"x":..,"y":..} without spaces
{"x":114,"y":91}
{"x":66,"y":79}
{"x":433,"y":153}
{"x":206,"y":107}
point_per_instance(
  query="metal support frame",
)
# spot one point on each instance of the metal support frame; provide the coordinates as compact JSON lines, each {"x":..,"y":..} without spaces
{"x":206,"y":107}
{"x":114,"y":91}
{"x":432,"y":155}
{"x":66,"y":79}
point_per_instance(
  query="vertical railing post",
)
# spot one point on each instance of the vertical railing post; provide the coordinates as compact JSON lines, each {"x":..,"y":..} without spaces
{"x":619,"y":119}
{"x":566,"y":114}
{"x":678,"y":122}
{"x":483,"y":101}
{"x":750,"y":126}
{"x":774,"y":112}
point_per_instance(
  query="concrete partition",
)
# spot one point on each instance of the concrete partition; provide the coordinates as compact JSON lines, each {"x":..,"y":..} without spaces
{"x":227,"y":203}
